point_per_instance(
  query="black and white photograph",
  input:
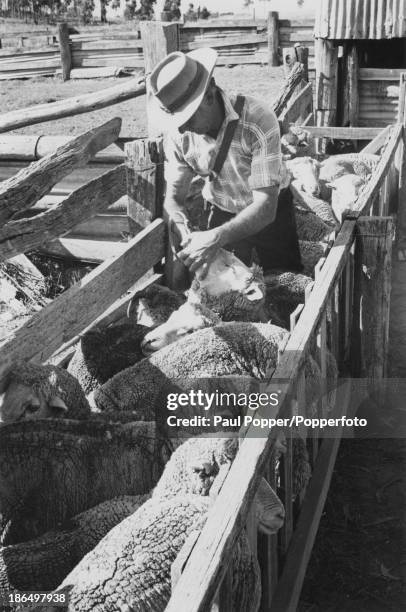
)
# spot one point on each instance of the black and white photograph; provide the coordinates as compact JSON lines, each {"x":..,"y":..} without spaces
{"x":202,"y":305}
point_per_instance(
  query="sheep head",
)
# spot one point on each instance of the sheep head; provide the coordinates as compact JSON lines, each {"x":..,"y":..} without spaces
{"x":187,"y":319}
{"x":305,"y":170}
{"x":20,"y":400}
{"x":230,"y":288}
{"x":29,"y":391}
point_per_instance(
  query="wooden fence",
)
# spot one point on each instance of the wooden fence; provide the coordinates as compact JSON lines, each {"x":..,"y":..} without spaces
{"x":110,"y":49}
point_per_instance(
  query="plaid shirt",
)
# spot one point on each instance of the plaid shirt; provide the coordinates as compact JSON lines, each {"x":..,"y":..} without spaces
{"x":253,"y":161}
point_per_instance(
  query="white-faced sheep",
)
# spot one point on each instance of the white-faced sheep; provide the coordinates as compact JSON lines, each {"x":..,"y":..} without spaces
{"x":345,"y":192}
{"x":305,"y":172}
{"x":42,"y":563}
{"x":297,"y":142}
{"x":102,"y":352}
{"x":29,"y":391}
{"x":131,"y":567}
{"x":186,"y":320}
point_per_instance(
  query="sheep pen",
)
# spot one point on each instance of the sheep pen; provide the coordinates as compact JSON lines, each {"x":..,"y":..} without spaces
{"x":289,"y":293}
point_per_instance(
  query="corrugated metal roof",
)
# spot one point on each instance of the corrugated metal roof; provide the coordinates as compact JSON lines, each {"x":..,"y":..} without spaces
{"x":346,"y":19}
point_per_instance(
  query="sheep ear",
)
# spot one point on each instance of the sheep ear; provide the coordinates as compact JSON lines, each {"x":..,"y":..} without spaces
{"x":57,"y":405}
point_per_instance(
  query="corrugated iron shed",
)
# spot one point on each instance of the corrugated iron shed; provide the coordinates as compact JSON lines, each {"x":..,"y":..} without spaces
{"x":362,"y":19}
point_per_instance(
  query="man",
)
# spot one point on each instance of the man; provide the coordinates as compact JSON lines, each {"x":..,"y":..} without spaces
{"x":251,"y":205}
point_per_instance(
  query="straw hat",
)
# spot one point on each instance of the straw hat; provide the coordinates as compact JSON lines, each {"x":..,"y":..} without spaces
{"x":177,"y":85}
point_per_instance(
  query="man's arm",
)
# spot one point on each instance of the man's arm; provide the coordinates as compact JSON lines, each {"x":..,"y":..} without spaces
{"x":201,"y":247}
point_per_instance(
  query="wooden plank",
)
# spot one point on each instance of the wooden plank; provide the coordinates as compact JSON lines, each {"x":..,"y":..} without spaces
{"x":298,"y":108}
{"x":65,"y":50}
{"x":103,"y":226}
{"x":249,"y":39}
{"x":83,"y":249}
{"x":326,"y":81}
{"x":344,"y":133}
{"x":29,"y":147}
{"x":100,"y":43}
{"x":380,"y":74}
{"x":287,"y":593}
{"x":287,"y":489}
{"x":378,"y":141}
{"x":288,"y":90}
{"x":30,"y":184}
{"x":27,"y":234}
{"x":145,"y":181}
{"x":71,"y":106}
{"x":126,"y":61}
{"x":159,"y":39}
{"x":374,"y":235}
{"x":273,"y":39}
{"x":72,"y":311}
{"x":372,"y":188}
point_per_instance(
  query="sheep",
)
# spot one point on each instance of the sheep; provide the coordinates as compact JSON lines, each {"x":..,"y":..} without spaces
{"x":30,"y":391}
{"x":305,"y":172}
{"x":153,"y":305}
{"x":51,"y":470}
{"x":341,"y":165}
{"x":310,"y":253}
{"x":345,"y":192}
{"x":187,"y":319}
{"x":297,"y":142}
{"x":42,"y":563}
{"x":319,"y":207}
{"x":230,"y":349}
{"x":230,"y":289}
{"x":131,"y":567}
{"x":310,"y":226}
{"x":102,"y":352}
{"x":285,"y":291}
{"x":201,"y":462}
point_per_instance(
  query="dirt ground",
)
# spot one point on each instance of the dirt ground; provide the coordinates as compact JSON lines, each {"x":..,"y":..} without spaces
{"x":358,"y":562}
{"x":264,"y":81}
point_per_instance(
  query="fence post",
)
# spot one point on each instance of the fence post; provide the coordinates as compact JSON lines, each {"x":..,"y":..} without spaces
{"x":302,"y":56}
{"x":372,"y":297}
{"x":158,"y":39}
{"x":273,"y":38}
{"x":64,"y":49}
{"x":145,"y":182}
{"x":289,"y":59}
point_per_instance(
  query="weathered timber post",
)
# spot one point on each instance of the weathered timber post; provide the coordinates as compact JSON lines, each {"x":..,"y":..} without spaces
{"x":302,"y":56}
{"x":289,"y":59}
{"x":273,"y":38}
{"x":326,"y":53}
{"x":158,"y":40}
{"x":401,"y":165}
{"x":372,"y":285}
{"x":145,"y":182}
{"x":65,"y":51}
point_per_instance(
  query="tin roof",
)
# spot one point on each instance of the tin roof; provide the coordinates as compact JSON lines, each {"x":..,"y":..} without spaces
{"x":346,"y":19}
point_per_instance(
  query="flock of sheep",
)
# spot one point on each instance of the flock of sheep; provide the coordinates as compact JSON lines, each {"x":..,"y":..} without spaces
{"x":97,"y":493}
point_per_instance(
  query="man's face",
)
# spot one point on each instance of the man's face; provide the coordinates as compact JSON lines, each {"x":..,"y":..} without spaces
{"x":202,"y":120}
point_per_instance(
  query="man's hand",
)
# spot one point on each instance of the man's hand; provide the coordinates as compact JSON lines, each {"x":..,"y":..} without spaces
{"x":199,"y":248}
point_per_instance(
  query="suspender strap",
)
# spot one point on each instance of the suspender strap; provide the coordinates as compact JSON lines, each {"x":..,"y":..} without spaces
{"x":228,"y":136}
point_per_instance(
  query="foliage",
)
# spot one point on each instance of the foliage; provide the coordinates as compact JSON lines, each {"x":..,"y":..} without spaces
{"x":86,"y":8}
{"x":146,"y":11}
